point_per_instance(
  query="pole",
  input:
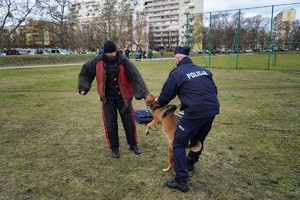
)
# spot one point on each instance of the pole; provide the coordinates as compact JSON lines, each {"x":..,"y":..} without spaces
{"x":201,"y":53}
{"x":187,"y":29}
{"x":238,"y":40}
{"x":270,"y":39}
{"x":210,"y":40}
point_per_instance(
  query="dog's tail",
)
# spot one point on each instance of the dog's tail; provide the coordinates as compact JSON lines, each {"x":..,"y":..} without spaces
{"x":196,"y":147}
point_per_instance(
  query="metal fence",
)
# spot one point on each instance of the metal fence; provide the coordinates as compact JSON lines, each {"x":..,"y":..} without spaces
{"x":267,"y":30}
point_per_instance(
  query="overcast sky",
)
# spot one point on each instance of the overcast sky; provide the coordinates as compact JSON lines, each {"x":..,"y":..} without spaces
{"x":222,"y":5}
{"x":218,"y":5}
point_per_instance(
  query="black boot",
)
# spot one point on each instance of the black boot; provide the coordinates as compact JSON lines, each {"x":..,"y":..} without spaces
{"x":191,"y":167}
{"x":173,"y":184}
{"x":115,"y":153}
{"x":135,"y":149}
{"x":190,"y":164}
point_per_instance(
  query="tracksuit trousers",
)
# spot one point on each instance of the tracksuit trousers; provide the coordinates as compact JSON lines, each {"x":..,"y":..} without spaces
{"x":188,"y":130}
{"x":110,"y":111}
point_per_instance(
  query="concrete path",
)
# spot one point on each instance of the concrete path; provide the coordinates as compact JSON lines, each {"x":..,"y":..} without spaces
{"x":80,"y":64}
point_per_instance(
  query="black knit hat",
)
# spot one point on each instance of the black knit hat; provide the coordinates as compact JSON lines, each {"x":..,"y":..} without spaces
{"x":109,"y":47}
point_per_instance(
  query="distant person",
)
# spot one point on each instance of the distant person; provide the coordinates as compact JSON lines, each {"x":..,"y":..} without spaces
{"x":118,"y":81}
{"x":144,"y":54}
{"x":101,"y":52}
{"x":138,"y":55}
{"x":150,"y":54}
{"x":127,"y":53}
{"x":161,"y":52}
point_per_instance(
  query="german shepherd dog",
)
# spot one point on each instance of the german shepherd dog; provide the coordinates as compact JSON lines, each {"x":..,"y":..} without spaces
{"x":165,"y":115}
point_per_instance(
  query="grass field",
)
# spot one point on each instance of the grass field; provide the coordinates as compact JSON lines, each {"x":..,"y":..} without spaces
{"x":287,"y":61}
{"x":53,"y":146}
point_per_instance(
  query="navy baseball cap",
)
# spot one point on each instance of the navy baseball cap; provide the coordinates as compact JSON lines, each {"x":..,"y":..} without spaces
{"x":182,"y":50}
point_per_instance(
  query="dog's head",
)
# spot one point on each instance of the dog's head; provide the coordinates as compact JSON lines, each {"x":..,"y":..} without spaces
{"x":150,"y":99}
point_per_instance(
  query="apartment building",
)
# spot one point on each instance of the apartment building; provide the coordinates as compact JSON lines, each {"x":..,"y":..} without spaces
{"x":34,"y":34}
{"x":90,"y":12}
{"x":170,"y":23}
{"x":283,"y":25}
{"x":174,"y":22}
{"x":85,"y":10}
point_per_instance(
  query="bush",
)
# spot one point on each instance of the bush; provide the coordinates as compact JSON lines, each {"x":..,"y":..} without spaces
{"x":24,"y":60}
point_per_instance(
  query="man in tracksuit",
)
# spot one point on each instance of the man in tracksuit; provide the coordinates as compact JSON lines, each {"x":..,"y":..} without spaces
{"x":197,"y":92}
{"x":118,"y":80}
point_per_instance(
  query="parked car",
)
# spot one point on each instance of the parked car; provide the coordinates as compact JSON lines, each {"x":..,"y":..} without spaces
{"x":248,"y":51}
{"x":12,"y":52}
{"x":59,"y":51}
{"x":201,"y":51}
{"x":23,"y":52}
{"x":195,"y":51}
{"x":46,"y":52}
{"x":228,"y":51}
{"x":88,"y":52}
{"x":2,"y":53}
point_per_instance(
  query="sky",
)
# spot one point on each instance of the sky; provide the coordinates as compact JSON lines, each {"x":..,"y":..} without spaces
{"x":218,"y":5}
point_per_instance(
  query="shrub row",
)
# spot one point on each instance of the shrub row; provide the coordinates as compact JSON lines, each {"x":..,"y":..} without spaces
{"x":29,"y":60}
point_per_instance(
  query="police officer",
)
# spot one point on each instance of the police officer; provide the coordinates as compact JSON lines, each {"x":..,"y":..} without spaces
{"x":118,"y":81}
{"x":197,"y":92}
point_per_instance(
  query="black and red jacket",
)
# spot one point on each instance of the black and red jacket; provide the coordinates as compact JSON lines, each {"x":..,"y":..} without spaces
{"x":129,"y":78}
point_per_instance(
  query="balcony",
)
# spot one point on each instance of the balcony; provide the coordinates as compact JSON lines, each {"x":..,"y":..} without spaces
{"x":191,"y":5}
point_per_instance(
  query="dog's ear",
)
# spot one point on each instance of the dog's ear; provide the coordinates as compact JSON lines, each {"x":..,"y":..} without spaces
{"x":151,"y":97}
{"x":146,"y":93}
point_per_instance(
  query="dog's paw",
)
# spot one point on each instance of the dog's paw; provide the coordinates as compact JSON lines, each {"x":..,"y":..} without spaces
{"x":147,"y":132}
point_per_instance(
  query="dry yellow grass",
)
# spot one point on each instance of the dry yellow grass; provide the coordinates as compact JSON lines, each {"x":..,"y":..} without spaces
{"x":52,"y":142}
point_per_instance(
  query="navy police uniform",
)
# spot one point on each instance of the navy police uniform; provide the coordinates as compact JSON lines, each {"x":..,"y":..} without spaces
{"x":197,"y":92}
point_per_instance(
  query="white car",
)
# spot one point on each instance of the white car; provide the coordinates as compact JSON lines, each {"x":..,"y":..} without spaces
{"x":2,"y":53}
{"x":59,"y":51}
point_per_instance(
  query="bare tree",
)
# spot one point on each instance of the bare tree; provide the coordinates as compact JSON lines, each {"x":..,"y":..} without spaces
{"x":287,"y":29}
{"x":198,"y":26}
{"x":60,"y":28}
{"x":295,"y":34}
{"x":125,"y":24}
{"x":92,"y":35}
{"x":109,"y":18}
{"x":13,"y":13}
{"x":223,"y":31}
{"x":139,"y":30}
{"x":113,"y":23}
{"x":152,"y":44}
{"x":253,"y":26}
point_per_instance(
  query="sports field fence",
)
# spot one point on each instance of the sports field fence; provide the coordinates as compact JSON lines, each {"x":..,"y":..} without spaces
{"x":272,"y":31}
